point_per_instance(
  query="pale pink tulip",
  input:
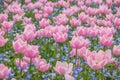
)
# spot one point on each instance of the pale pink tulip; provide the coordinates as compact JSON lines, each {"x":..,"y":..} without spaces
{"x":4,"y":71}
{"x":42,"y":65}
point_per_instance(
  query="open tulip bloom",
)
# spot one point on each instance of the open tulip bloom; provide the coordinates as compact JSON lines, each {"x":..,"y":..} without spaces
{"x":59,"y":39}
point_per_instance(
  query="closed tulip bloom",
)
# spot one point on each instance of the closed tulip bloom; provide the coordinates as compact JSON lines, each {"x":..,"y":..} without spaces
{"x":23,"y":64}
{"x":42,"y":65}
{"x":116,"y":50}
{"x":4,"y":71}
{"x":60,"y":37}
{"x":31,"y":51}
{"x":63,"y":68}
{"x":106,"y":40}
{"x":3,"y":41}
{"x":19,"y":46}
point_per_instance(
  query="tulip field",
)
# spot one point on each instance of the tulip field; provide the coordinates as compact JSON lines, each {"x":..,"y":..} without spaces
{"x":59,"y":39}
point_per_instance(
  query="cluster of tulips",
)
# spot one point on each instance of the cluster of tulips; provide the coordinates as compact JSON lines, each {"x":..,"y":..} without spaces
{"x":60,"y":39}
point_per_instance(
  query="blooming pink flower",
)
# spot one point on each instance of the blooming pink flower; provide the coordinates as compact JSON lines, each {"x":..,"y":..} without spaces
{"x":98,"y":60}
{"x":3,"y":17}
{"x":4,"y":71}
{"x":48,"y":9}
{"x":46,"y":32}
{"x":31,"y":51}
{"x":17,"y":18}
{"x":60,"y":37}
{"x":61,"y":19}
{"x":80,"y":52}
{"x":69,"y":77}
{"x":44,"y":23}
{"x":29,"y":35}
{"x":23,"y":64}
{"x":116,"y":50}
{"x":60,"y":28}
{"x":74,"y":22}
{"x":27,"y":1}
{"x":117,"y":22}
{"x":106,"y":40}
{"x":19,"y":46}
{"x":42,"y":65}
{"x":63,"y":68}
{"x":79,"y":42}
{"x":93,"y":31}
{"x":81,"y":31}
{"x":3,"y":41}
{"x":97,"y":2}
{"x":106,"y":31}
{"x":6,"y":26}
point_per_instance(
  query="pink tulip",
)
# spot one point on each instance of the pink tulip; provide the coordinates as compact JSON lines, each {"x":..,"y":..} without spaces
{"x":60,"y":28}
{"x":3,"y":17}
{"x":42,"y":65}
{"x":106,"y":31}
{"x":106,"y":40}
{"x":60,"y":37}
{"x":97,"y":61}
{"x":19,"y":46}
{"x":63,"y":68}
{"x":4,"y":71}
{"x":61,"y":19}
{"x":15,"y":8}
{"x":44,"y":23}
{"x":117,"y":2}
{"x":17,"y":18}
{"x":79,"y":42}
{"x":8,"y":0}
{"x":6,"y":26}
{"x":91,"y":11}
{"x":79,"y":52}
{"x":30,"y":6}
{"x":83,"y":17}
{"x":46,"y":32}
{"x":81,"y":31}
{"x":109,"y":2}
{"x":27,"y":20}
{"x":31,"y":51}
{"x":3,"y":41}
{"x":93,"y":31}
{"x":30,"y":27}
{"x":29,"y":35}
{"x":38,"y":4}
{"x":88,"y":2}
{"x":23,"y":64}
{"x":116,"y":50}
{"x":97,"y":2}
{"x":27,"y":1}
{"x":117,"y":23}
{"x":69,"y":77}
{"x":74,"y":22}
{"x":48,"y":9}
